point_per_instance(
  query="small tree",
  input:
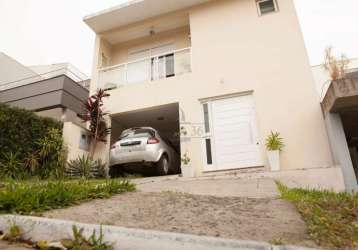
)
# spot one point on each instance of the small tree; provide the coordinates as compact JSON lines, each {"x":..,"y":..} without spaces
{"x":94,"y":114}
{"x":335,"y":66}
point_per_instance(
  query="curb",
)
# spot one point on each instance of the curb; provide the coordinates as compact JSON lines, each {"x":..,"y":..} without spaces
{"x":37,"y":228}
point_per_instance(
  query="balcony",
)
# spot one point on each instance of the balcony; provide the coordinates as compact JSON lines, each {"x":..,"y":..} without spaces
{"x":342,"y":95}
{"x":146,"y":69}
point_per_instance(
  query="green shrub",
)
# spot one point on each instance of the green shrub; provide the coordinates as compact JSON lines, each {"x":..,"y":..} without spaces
{"x":85,"y":167}
{"x":10,"y":166}
{"x":51,"y":155}
{"x":331,"y":217}
{"x":28,"y":197}
{"x":21,"y":129}
{"x":29,"y":145}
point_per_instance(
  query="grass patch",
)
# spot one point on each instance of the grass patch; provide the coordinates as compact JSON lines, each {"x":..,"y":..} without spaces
{"x":33,"y":197}
{"x":331,"y":218}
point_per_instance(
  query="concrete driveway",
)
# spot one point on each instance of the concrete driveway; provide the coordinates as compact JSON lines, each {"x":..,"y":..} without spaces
{"x":214,"y":186}
{"x":224,"y":207}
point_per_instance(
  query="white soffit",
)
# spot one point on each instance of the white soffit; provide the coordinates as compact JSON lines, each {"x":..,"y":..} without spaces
{"x":135,"y":11}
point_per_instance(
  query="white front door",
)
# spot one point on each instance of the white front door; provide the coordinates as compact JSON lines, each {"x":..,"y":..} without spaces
{"x":234,"y":137}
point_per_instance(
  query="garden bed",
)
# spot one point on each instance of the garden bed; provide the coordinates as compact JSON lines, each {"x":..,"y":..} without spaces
{"x":34,"y":197}
{"x":332,"y":218}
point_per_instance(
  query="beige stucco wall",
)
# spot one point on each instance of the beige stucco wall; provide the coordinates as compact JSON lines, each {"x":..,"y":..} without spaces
{"x":235,"y":51}
{"x":178,"y":37}
{"x":62,"y":114}
{"x":71,"y":136}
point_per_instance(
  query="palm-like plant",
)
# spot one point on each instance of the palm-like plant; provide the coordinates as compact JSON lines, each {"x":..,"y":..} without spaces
{"x":274,"y":142}
{"x":85,"y":167}
{"x":10,"y":166}
{"x":94,"y":114}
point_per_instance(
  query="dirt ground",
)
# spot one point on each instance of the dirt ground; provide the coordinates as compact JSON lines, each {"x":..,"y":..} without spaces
{"x":5,"y":245}
{"x":265,"y":219}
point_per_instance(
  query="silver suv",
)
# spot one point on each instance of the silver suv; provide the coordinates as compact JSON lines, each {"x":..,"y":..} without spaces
{"x":143,"y":147}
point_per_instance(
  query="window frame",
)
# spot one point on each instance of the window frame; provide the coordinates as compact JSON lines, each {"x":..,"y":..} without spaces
{"x":259,"y":9}
{"x":208,"y":135}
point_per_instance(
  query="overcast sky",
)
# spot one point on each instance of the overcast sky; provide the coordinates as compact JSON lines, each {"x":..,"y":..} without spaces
{"x":51,"y":31}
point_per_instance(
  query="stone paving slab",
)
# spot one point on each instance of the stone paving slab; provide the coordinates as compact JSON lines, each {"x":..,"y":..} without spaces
{"x":222,"y":187}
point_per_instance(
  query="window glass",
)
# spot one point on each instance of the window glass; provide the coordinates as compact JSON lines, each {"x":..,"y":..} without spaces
{"x":209,"y":158}
{"x":267,"y":6}
{"x":137,"y":133}
{"x":206,"y":118}
{"x":169,"y":65}
{"x":84,"y":141}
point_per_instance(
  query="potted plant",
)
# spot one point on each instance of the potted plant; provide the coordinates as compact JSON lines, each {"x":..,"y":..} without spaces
{"x":274,"y":144}
{"x":187,"y":170}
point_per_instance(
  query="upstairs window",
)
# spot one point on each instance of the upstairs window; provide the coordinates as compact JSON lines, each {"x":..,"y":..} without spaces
{"x":266,"y":6}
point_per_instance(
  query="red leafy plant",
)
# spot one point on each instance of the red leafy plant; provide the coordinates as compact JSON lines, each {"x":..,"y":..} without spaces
{"x":96,"y":117}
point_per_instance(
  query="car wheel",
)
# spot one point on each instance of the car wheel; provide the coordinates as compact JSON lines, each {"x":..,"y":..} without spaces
{"x":163,"y":165}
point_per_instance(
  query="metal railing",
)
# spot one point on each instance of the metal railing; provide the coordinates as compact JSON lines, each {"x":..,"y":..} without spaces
{"x":147,"y":69}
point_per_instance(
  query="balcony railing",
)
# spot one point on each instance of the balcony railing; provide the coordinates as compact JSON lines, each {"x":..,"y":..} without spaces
{"x":148,"y":69}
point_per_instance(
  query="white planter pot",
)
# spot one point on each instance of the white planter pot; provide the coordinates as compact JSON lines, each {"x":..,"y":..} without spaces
{"x":274,"y":160}
{"x":187,"y":171}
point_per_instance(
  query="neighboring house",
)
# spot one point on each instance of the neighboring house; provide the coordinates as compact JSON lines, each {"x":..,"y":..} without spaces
{"x":56,"y":90}
{"x":227,"y":72}
{"x":339,"y":101}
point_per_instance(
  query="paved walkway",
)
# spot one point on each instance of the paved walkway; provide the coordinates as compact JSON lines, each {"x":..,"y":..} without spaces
{"x":221,"y":187}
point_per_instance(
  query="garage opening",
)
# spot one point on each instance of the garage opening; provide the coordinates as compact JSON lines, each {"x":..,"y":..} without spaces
{"x":164,"y":119}
{"x":350,"y":125}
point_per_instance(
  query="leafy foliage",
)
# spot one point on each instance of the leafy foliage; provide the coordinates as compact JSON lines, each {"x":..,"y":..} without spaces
{"x":51,"y":155}
{"x":28,"y":197}
{"x":85,"y":167}
{"x":331,"y":217}
{"x":274,"y":141}
{"x":92,"y":243}
{"x":94,"y":114}
{"x":336,"y":67}
{"x":185,"y":159}
{"x":10,"y":166}
{"x":48,"y":161}
{"x":21,"y":129}
{"x":30,"y":145}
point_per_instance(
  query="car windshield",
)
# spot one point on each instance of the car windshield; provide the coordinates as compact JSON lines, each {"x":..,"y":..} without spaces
{"x":137,"y":133}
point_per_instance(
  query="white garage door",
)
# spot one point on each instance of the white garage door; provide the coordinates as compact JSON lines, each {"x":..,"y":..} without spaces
{"x":233,"y":137}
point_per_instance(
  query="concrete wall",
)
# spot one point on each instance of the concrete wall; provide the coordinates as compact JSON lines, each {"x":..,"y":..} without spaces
{"x":341,"y":154}
{"x":236,"y":51}
{"x":178,"y":37}
{"x":71,"y":136}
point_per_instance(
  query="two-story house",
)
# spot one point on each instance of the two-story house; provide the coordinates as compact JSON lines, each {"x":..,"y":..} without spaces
{"x":226,"y":71}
